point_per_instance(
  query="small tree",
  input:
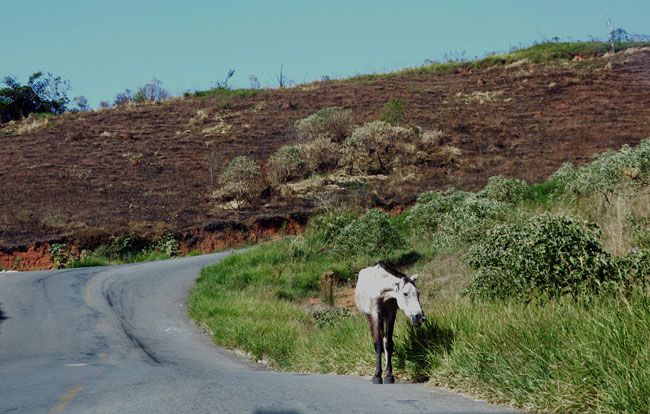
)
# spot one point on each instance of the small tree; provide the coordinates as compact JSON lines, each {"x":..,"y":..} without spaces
{"x":151,"y":92}
{"x":81,"y":104}
{"x":43,"y":93}
{"x":255,"y":83}
{"x":224,"y":84}
{"x":123,"y":97}
{"x":282,"y":80}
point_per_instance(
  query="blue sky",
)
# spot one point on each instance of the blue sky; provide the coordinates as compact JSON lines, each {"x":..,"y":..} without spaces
{"x":103,"y":47}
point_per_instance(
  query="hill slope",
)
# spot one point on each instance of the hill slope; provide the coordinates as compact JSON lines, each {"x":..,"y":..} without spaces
{"x":146,"y":168}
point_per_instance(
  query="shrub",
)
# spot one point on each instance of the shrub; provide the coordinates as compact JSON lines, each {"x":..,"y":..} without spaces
{"x":285,"y":164}
{"x":372,"y":235}
{"x":334,"y":123}
{"x":426,"y":215}
{"x":633,"y":269}
{"x":393,"y":112}
{"x":548,"y":254}
{"x":451,"y":216}
{"x":166,"y":245}
{"x":325,"y":228}
{"x":321,"y":155}
{"x":468,"y":221}
{"x":610,"y":169}
{"x":240,"y":180}
{"x":506,"y":190}
{"x":378,"y":147}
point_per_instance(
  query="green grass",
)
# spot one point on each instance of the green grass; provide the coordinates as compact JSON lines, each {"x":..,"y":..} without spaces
{"x":225,"y":93}
{"x":562,"y":355}
{"x":586,"y":352}
{"x":90,"y":261}
{"x":279,"y":331}
{"x":557,"y":356}
{"x":538,"y":53}
{"x":283,"y":267}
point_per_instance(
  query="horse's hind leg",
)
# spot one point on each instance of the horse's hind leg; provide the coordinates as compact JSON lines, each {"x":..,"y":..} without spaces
{"x":388,"y":339}
{"x":376,"y":329}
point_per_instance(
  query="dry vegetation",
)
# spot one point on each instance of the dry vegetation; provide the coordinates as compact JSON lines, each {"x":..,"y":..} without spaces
{"x":157,"y":164}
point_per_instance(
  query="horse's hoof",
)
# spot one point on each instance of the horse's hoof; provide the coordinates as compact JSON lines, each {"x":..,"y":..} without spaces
{"x":376,"y":380}
{"x":389,"y":379}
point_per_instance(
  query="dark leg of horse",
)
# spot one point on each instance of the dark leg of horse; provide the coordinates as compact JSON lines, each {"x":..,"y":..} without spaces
{"x":376,"y":329}
{"x":390,"y":324}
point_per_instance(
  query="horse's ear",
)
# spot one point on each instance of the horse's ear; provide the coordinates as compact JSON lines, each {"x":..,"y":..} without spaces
{"x":414,"y":277}
{"x":397,"y":287}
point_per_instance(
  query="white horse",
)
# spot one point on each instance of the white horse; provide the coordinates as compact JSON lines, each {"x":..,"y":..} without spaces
{"x":380,"y":290}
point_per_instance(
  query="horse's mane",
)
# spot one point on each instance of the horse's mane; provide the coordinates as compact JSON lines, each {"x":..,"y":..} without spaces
{"x":393,"y":271}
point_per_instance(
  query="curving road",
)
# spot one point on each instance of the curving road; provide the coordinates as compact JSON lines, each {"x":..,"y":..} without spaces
{"x":118,"y":339}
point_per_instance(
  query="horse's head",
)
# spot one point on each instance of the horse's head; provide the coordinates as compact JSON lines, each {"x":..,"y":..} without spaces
{"x":408,"y":300}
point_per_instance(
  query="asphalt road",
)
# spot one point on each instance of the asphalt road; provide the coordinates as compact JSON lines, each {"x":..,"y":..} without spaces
{"x":118,"y":339}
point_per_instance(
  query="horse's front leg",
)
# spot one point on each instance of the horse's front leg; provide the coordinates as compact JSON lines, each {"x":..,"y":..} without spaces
{"x":390,"y":324}
{"x":377,"y":335}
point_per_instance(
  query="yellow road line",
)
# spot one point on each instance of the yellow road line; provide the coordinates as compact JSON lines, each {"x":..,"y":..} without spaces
{"x":67,"y":398}
{"x":88,"y":295}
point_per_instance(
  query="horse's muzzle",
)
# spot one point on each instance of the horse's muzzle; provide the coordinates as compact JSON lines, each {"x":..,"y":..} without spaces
{"x":417,"y":319}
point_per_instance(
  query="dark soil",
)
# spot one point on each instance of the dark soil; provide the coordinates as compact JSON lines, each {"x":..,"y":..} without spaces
{"x":145,"y":168}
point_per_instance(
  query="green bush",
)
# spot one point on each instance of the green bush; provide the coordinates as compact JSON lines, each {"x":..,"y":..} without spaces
{"x":452,"y":216}
{"x":167,"y":245}
{"x":610,"y":169}
{"x":505,"y":190}
{"x":287,"y":163}
{"x":633,"y":269}
{"x":546,"y":254}
{"x":325,"y":228}
{"x":393,"y":112}
{"x":240,"y":180}
{"x":372,"y":236}
{"x":564,"y":175}
{"x":334,"y":123}
{"x":427,"y":214}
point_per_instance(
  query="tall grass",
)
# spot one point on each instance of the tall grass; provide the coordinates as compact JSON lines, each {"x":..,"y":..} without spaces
{"x":562,"y":356}
{"x":280,"y":332}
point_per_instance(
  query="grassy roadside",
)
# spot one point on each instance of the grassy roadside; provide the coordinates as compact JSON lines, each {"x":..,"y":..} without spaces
{"x":560,"y":355}
{"x":127,"y":248}
{"x":578,"y":344}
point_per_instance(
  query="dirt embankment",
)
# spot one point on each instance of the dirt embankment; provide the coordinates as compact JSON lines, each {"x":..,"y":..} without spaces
{"x":214,"y":236}
{"x":150,"y":168}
